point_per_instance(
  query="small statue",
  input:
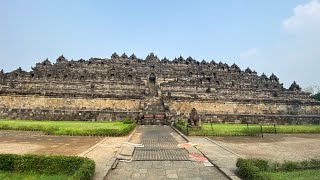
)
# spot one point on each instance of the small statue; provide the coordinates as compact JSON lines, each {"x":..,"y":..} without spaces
{"x":294,"y":87}
{"x":194,"y":118}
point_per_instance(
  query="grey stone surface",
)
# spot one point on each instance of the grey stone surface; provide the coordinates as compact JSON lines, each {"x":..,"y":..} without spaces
{"x":223,"y":159}
{"x":157,"y":170}
{"x":160,"y":143}
{"x":158,"y":85}
{"x":127,"y":151}
{"x":157,"y":138}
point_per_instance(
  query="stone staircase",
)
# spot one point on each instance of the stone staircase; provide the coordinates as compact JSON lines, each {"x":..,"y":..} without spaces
{"x":154,"y":112}
{"x":153,"y":90}
{"x":153,"y":104}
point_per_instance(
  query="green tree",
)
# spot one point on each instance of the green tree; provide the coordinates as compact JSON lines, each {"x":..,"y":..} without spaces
{"x":316,"y":96}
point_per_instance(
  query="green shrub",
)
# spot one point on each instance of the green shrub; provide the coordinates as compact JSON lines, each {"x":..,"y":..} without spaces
{"x":291,"y":166}
{"x":313,"y":163}
{"x":85,"y":171}
{"x":252,"y":168}
{"x":260,"y":163}
{"x":260,"y":169}
{"x":7,"y":161}
{"x":128,"y":121}
{"x":181,"y":126}
{"x":77,"y":167}
{"x":181,"y":122}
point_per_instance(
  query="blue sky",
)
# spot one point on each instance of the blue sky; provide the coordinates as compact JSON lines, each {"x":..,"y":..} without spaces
{"x":281,"y":37}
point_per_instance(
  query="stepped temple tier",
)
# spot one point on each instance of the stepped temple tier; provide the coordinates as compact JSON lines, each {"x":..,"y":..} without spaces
{"x":151,"y":88}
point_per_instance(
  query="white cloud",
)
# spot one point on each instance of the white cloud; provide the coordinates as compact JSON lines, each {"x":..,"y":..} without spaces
{"x":306,"y":17}
{"x":249,"y":53}
{"x":295,"y":56}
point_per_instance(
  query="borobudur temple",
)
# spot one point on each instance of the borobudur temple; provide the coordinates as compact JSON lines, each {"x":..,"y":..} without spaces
{"x":128,"y":87}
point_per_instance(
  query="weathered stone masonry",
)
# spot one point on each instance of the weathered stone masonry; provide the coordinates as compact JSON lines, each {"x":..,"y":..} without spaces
{"x":122,"y":86}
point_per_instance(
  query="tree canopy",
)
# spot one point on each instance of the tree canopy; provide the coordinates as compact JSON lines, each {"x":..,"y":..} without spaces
{"x":316,"y":96}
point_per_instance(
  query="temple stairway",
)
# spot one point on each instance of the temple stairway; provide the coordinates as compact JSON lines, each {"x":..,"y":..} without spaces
{"x":153,"y":105}
{"x":154,"y":111}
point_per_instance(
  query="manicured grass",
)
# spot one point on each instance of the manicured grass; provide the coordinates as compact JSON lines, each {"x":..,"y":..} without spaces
{"x":252,"y":169}
{"x":294,"y":175}
{"x":75,"y":128}
{"x":53,"y":167}
{"x":244,"y":130}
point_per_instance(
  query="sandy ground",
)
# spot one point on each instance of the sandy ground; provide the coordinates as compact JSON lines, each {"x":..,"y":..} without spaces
{"x":274,"y":147}
{"x":22,"y":142}
{"x":99,"y":149}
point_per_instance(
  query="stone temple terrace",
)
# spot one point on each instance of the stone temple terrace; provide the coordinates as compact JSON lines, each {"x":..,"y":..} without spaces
{"x":151,"y":89}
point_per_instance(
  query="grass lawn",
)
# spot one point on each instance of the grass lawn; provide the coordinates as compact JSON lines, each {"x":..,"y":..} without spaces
{"x":5,"y":175}
{"x":243,"y":130}
{"x":295,"y":175}
{"x":76,"y":128}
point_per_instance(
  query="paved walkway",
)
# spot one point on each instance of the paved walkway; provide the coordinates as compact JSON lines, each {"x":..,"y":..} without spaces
{"x":104,"y":154}
{"x":160,"y":143}
{"x":164,"y":170}
{"x":171,"y":162}
{"x":217,"y":154}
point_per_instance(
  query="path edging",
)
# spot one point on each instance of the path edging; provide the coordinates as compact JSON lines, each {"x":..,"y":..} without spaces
{"x":223,"y":147}
{"x":93,"y":147}
{"x":114,"y":159}
{"x":229,"y":174}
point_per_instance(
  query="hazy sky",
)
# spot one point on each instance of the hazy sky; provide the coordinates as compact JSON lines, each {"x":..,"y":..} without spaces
{"x":271,"y":36}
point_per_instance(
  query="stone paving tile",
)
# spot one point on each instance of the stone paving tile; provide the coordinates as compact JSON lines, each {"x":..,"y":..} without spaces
{"x":143,"y":170}
{"x":171,"y":171}
{"x":215,"y":153}
{"x":162,"y":138}
{"x":172,"y":176}
{"x":160,"y":143}
{"x":164,"y":170}
{"x":102,"y":153}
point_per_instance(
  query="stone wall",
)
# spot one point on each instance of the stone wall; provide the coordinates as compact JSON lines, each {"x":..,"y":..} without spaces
{"x":260,"y":119}
{"x":81,"y":115}
{"x":225,"y":107}
{"x":42,"y":102}
{"x":122,"y":86}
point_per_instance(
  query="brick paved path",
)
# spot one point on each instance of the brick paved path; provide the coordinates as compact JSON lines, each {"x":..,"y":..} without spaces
{"x":161,"y":159}
{"x":159,"y":145}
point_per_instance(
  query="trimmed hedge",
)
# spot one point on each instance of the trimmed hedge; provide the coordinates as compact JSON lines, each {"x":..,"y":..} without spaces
{"x":252,"y":168}
{"x":75,"y":167}
{"x":258,"y":168}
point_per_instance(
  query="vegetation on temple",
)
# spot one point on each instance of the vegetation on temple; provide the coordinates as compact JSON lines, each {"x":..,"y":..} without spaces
{"x":252,"y":169}
{"x":316,"y":96}
{"x":243,"y":129}
{"x":14,"y":166}
{"x":73,"y":128}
